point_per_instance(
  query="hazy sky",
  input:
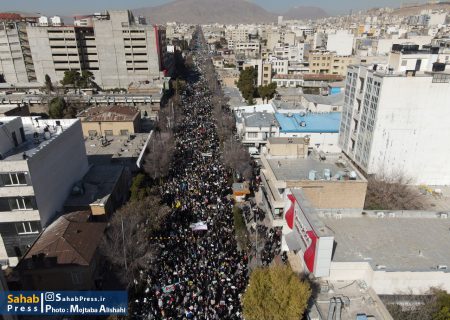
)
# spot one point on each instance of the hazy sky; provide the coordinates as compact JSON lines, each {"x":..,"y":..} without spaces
{"x":69,"y":7}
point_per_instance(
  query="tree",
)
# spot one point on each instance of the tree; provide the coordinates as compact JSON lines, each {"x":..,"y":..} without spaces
{"x":48,"y":84}
{"x":159,"y":154}
{"x":433,"y":306}
{"x":275,"y":293}
{"x":246,"y":84}
{"x":126,"y":244}
{"x":139,"y":189}
{"x":56,"y":108}
{"x":237,"y":157}
{"x":87,"y":79}
{"x":268,"y":91}
{"x":71,"y":78}
{"x":392,"y":192}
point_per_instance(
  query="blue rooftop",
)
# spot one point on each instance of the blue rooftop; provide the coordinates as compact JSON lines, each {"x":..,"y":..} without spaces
{"x":312,"y":122}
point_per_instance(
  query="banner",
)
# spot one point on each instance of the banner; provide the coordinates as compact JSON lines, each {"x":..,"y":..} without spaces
{"x":49,"y":303}
{"x":199,"y":226}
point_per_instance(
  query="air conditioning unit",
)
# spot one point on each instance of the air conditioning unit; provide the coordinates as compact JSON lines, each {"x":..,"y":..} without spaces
{"x":391,"y":214}
{"x":380,"y":214}
{"x":443,"y":215}
{"x":442,"y":267}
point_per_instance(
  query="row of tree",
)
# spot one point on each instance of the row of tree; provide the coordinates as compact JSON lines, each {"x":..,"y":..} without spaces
{"x":249,"y":90}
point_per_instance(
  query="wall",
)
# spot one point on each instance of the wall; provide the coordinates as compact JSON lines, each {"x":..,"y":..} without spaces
{"x":341,"y":43}
{"x":389,"y":282}
{"x":411,"y":129}
{"x":333,"y":194}
{"x":55,"y":168}
{"x":41,"y":54}
{"x":326,"y":142}
{"x":295,"y":150}
{"x":115,"y":126}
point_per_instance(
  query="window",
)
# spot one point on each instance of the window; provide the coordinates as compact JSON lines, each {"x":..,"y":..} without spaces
{"x":27,"y":227}
{"x":92,"y":133}
{"x":123,"y":132}
{"x":108,"y":132}
{"x":21,"y":203}
{"x":252,"y":135}
{"x":13,"y":179}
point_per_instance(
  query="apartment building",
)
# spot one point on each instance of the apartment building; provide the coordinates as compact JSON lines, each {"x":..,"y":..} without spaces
{"x":40,"y":162}
{"x":327,"y":62}
{"x":113,"y":46}
{"x":16,"y":65}
{"x":397,"y":123}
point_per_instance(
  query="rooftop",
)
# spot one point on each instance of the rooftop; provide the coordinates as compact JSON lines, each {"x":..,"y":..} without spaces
{"x":299,"y":168}
{"x":333,"y":100}
{"x":356,"y":296}
{"x":416,"y":243}
{"x":117,"y":147}
{"x":309,"y":122}
{"x":97,"y":185}
{"x":37,"y":138}
{"x":259,"y":119}
{"x":109,"y":113}
{"x":69,"y":240}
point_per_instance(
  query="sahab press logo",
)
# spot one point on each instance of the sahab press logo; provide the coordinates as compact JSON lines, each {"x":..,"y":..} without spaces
{"x":64,"y":303}
{"x":23,"y":303}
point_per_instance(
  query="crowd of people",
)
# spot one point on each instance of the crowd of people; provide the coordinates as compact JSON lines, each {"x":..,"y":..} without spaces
{"x":199,"y":273}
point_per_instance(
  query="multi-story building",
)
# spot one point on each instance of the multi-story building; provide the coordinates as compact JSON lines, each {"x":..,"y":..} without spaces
{"x":396,"y":123}
{"x":16,"y":64}
{"x":112,"y":45}
{"x":40,"y":162}
{"x":328,"y":62}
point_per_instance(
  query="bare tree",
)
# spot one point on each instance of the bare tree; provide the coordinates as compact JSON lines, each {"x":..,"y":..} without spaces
{"x":237,"y":157}
{"x":159,"y":155}
{"x":126,"y":243}
{"x":393,"y":192}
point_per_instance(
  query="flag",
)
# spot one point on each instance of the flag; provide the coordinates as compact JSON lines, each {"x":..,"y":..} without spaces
{"x":169,"y":288}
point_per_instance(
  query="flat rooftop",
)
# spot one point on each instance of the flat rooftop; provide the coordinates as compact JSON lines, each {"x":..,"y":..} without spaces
{"x":259,"y":119}
{"x":357,"y":299}
{"x":36,"y":140}
{"x":299,"y":169}
{"x":117,"y":147}
{"x":309,"y":122}
{"x":97,"y":184}
{"x":400,"y":244}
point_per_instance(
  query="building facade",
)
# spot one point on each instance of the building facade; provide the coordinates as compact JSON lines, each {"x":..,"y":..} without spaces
{"x":41,"y":160}
{"x":113,"y":46}
{"x":395,"y":123}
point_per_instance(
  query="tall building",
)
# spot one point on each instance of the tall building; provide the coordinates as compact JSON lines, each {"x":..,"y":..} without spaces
{"x":40,"y":162}
{"x":16,"y":64}
{"x":397,"y":123}
{"x":113,"y":46}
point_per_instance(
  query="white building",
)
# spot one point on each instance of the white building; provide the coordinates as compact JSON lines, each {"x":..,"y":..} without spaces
{"x":41,"y":160}
{"x":341,"y":42}
{"x":393,"y":123}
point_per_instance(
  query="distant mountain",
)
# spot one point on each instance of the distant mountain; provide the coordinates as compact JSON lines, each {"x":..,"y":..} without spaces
{"x":416,"y":9}
{"x":220,"y":11}
{"x":304,"y":13}
{"x":207,"y":11}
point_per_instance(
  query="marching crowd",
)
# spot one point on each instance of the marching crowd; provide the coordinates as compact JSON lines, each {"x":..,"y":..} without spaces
{"x":200,"y":273}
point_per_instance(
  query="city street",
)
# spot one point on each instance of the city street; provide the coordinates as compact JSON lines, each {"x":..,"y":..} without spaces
{"x":199,"y":272}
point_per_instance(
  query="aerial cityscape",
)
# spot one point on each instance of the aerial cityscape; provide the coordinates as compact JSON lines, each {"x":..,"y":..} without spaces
{"x":225,"y":159}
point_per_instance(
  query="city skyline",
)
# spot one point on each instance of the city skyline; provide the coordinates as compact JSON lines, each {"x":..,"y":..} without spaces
{"x":70,"y":8}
